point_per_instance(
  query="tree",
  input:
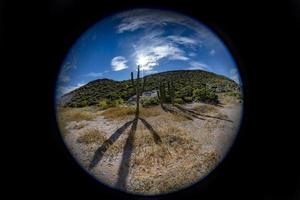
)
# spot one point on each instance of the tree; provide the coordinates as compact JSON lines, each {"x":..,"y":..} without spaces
{"x":205,"y":95}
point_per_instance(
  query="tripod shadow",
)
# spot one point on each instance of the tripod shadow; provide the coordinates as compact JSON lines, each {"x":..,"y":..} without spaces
{"x":127,"y":151}
{"x":156,"y":137}
{"x":173,"y":111}
{"x":125,"y":163}
{"x":103,"y":148}
{"x":194,"y":113}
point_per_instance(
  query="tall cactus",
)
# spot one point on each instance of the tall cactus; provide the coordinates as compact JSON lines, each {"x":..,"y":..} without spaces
{"x":136,"y":85}
{"x":144,"y":83}
{"x":171,"y":91}
{"x":137,"y":111}
{"x":161,"y":94}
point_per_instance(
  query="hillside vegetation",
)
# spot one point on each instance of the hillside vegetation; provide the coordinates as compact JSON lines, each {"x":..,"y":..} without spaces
{"x":188,"y":84}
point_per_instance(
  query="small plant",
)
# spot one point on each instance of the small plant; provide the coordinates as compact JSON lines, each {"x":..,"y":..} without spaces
{"x":117,"y":102}
{"x":178,"y":101}
{"x":83,"y":103}
{"x":92,"y":136}
{"x":103,"y":104}
{"x":149,"y":101}
{"x":188,"y":99}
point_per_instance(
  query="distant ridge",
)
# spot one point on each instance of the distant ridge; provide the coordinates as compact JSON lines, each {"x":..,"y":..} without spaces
{"x":105,"y":88}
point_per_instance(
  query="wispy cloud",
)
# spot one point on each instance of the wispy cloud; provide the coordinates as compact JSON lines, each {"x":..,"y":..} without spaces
{"x":67,"y":67}
{"x":64,"y":78}
{"x":197,"y":65}
{"x":94,"y":74}
{"x":212,"y":52}
{"x":146,"y":18}
{"x":66,"y":89}
{"x":151,"y":72}
{"x":153,"y":47}
{"x":156,"y":44}
{"x":183,"y":40}
{"x":118,"y":63}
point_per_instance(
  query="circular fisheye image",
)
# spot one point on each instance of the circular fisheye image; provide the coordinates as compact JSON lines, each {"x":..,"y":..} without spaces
{"x":149,"y":101}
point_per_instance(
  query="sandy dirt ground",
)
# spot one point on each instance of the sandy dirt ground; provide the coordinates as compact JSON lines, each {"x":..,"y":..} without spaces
{"x":140,"y":170}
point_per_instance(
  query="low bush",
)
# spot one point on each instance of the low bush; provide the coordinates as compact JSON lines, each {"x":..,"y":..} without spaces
{"x":205,"y":95}
{"x":92,"y":136}
{"x":117,"y":102}
{"x":103,"y":104}
{"x":178,"y":101}
{"x":149,"y":101}
{"x":188,"y":99}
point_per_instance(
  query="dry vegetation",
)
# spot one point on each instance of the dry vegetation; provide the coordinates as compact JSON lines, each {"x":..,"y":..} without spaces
{"x":118,"y":112}
{"x":155,"y":166}
{"x":66,"y":115}
{"x":205,"y":108}
{"x":123,"y":112}
{"x":178,"y":159}
{"x":92,"y":135}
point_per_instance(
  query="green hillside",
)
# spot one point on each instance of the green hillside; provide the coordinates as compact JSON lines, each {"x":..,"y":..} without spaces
{"x":185,"y":81}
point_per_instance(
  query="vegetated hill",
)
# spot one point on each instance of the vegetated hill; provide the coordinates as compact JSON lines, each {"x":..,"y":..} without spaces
{"x":184,"y":81}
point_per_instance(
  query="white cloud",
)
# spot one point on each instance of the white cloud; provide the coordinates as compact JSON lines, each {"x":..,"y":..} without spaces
{"x":94,"y":74}
{"x":151,"y":72}
{"x":197,"y":65}
{"x":66,"y":89}
{"x":212,"y":52}
{"x":119,"y":63}
{"x":150,"y":49}
{"x":183,"y":40}
{"x":155,"y":45}
{"x":147,"y":18}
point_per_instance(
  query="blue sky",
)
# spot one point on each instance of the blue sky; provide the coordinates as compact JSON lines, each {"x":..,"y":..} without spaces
{"x":157,"y":40}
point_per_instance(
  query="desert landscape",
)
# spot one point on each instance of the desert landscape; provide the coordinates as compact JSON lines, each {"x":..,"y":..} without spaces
{"x":160,"y":138}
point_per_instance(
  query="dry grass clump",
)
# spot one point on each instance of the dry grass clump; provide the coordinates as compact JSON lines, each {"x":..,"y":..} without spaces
{"x":123,"y":112}
{"x":66,"y":115}
{"x":116,"y":148}
{"x":92,"y":135}
{"x":118,"y":112}
{"x":150,"y":112}
{"x":205,"y":108}
{"x":75,"y":114}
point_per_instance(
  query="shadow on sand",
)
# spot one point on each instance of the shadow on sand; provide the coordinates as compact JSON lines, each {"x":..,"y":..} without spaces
{"x":103,"y":148}
{"x":194,"y":113}
{"x":127,"y":151}
{"x":173,"y":111}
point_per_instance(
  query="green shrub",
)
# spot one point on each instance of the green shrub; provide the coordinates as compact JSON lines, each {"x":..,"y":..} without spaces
{"x":117,"y":102}
{"x":178,"y":101}
{"x":188,"y":99}
{"x":83,"y":103}
{"x":205,"y":95}
{"x":184,"y":92}
{"x":103,"y":104}
{"x":149,"y":101}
